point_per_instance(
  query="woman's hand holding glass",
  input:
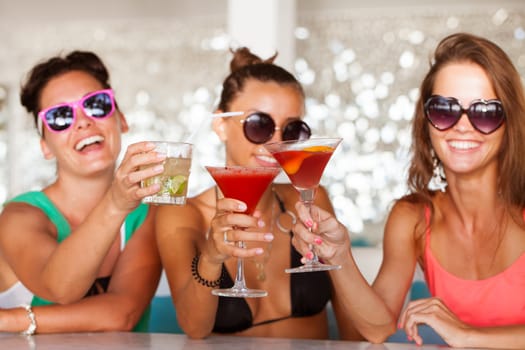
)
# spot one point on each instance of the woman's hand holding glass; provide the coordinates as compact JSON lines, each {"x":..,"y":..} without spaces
{"x":125,"y":191}
{"x":231,"y":225}
{"x":320,"y":229}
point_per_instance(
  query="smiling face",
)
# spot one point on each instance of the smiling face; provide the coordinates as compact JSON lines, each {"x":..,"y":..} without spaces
{"x":462,"y":149}
{"x":89,"y":145}
{"x":282,"y":102}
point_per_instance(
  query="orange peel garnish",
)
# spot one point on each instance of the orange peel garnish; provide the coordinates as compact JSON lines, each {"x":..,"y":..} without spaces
{"x":293,"y":165}
{"x":319,"y":149}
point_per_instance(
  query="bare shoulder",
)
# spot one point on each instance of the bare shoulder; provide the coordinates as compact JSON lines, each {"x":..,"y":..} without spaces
{"x":405,"y":225}
{"x":406,"y":208}
{"x":407,"y":212}
{"x":24,"y":217}
{"x":17,"y":209}
{"x":22,"y":224}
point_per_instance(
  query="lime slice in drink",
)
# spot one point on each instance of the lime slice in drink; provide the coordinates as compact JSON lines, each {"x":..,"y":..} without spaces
{"x":176,"y":185}
{"x":151,"y":181}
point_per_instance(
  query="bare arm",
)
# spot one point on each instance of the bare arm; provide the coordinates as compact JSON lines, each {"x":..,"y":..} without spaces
{"x":181,"y":235}
{"x":132,"y":286}
{"x":434,"y":313}
{"x":180,"y":231}
{"x":345,"y":324}
{"x":508,"y":337}
{"x":64,"y":272}
{"x":373,"y":311}
{"x":104,"y":312}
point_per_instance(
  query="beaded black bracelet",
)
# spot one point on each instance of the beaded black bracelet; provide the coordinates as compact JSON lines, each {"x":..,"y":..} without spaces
{"x":198,"y":277}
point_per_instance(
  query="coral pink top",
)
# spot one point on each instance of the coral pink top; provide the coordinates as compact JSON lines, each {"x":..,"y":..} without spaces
{"x":495,"y":301}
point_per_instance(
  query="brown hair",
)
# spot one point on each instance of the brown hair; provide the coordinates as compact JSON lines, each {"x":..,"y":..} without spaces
{"x":245,"y":66}
{"x":43,"y":72}
{"x":505,"y":79}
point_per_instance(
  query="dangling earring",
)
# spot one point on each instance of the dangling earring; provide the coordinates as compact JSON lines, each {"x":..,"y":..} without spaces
{"x":438,"y":180}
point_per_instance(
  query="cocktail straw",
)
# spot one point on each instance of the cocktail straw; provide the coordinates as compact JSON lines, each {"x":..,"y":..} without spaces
{"x":190,"y":138}
{"x":226,"y":114}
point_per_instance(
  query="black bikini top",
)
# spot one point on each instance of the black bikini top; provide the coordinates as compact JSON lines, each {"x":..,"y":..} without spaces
{"x":309,"y":292}
{"x":100,"y":286}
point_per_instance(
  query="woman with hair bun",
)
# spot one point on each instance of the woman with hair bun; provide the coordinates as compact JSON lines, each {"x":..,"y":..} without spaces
{"x":195,"y":255}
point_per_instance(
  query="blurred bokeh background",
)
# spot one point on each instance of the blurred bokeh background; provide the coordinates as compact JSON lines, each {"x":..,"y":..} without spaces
{"x":360,"y":62}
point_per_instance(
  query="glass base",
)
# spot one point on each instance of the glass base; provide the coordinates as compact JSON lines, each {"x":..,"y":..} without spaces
{"x":179,"y":200}
{"x":313,"y":268}
{"x":240,"y":293}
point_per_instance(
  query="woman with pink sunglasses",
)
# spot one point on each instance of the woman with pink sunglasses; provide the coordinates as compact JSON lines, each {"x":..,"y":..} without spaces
{"x":196,"y":241}
{"x":80,"y":254}
{"x":463,"y":221}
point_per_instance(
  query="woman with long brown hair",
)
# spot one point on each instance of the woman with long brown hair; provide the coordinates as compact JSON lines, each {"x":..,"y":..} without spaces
{"x":463,"y":221}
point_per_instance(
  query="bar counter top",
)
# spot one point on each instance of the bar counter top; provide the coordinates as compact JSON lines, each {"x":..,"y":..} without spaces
{"x":161,"y":341}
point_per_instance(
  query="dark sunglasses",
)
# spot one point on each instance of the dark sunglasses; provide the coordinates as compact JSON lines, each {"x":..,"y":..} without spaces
{"x":444,"y":112}
{"x":259,"y":128}
{"x":97,"y":105}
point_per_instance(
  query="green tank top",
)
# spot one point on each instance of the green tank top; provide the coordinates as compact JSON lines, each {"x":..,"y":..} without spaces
{"x":131,"y":224}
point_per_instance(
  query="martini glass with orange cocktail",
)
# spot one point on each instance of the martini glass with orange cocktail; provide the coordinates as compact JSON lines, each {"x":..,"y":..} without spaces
{"x":304,"y":162}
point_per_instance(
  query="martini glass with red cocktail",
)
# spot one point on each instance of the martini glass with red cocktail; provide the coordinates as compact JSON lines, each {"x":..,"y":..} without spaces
{"x":304,"y":162}
{"x":246,"y":184}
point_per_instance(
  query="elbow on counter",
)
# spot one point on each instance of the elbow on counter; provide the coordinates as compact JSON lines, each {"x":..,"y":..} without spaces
{"x":196,"y":335}
{"x":379,"y":336}
{"x":194,"y":330}
{"x":119,"y":321}
{"x":122,"y":324}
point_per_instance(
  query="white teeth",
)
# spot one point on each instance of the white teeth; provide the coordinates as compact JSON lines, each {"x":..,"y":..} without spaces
{"x":267,"y":159}
{"x":88,"y":141}
{"x":463,"y":144}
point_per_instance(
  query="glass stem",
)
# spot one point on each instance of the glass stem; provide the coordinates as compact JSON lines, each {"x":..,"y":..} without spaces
{"x":240,"y":283}
{"x":307,"y":197}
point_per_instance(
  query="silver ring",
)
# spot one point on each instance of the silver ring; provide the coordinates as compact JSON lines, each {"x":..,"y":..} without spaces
{"x":225,"y":237}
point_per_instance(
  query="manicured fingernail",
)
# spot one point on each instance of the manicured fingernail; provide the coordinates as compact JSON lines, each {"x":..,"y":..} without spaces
{"x":309,"y":223}
{"x":259,"y":251}
{"x":159,"y":167}
{"x":242,"y":206}
{"x":268,"y":237}
{"x":309,"y":255}
{"x":261,"y":223}
{"x":318,"y":241}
